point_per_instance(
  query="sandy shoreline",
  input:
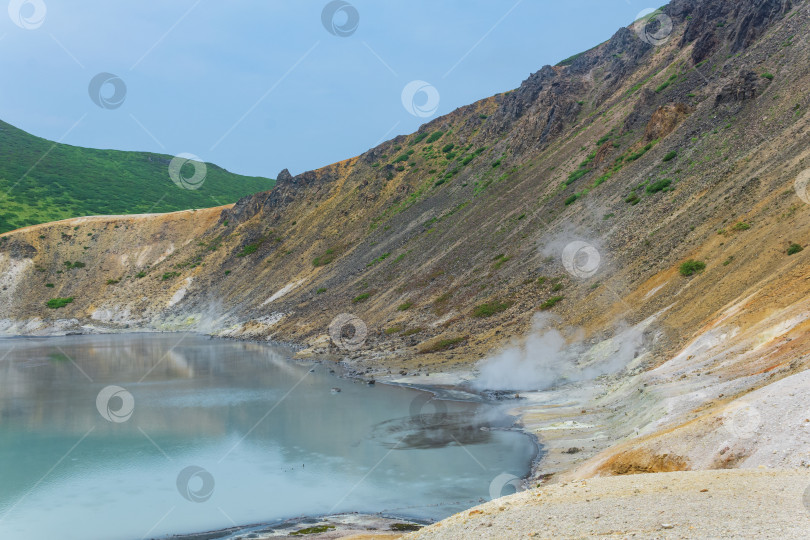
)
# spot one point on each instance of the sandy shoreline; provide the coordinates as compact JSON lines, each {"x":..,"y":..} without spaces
{"x":678,"y":505}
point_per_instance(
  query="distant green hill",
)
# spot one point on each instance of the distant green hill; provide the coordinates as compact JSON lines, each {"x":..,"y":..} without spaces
{"x":43,"y":181}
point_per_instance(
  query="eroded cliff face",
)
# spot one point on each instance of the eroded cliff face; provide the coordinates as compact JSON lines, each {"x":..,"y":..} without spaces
{"x":447,"y":242}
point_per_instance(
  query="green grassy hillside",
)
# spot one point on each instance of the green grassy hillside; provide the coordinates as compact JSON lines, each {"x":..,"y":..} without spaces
{"x":42,"y":181}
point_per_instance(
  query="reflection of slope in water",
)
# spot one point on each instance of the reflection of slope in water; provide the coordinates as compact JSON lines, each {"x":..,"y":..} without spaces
{"x":212,"y":397}
{"x":131,"y":356}
{"x":436,"y":430}
{"x":185,"y":385}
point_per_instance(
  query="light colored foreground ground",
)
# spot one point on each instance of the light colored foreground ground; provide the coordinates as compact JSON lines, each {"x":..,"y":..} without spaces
{"x":700,"y":504}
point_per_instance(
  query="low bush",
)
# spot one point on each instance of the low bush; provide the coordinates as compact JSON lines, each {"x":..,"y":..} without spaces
{"x":57,"y":303}
{"x":361,"y":298}
{"x":490,"y":308}
{"x":379,"y":259}
{"x":692,"y":267}
{"x":500,"y":260}
{"x":248,"y":250}
{"x":328,"y":256}
{"x":435,"y":136}
{"x":640,"y":153}
{"x":551,"y":302}
{"x":576,"y":175}
{"x":660,"y":185}
{"x":405,"y":306}
{"x":794,"y":249}
{"x":418,"y":138}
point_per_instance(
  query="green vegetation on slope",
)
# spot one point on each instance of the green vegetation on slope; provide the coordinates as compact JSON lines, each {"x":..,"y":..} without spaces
{"x":692,"y":267}
{"x":42,"y":181}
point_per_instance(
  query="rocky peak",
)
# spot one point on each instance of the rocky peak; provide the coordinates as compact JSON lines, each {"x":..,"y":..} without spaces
{"x":284,"y":177}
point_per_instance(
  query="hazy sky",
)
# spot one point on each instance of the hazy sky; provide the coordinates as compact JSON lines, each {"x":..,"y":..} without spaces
{"x":259,"y":86}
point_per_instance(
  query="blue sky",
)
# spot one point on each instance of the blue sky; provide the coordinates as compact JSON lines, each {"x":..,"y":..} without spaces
{"x":259,"y":86}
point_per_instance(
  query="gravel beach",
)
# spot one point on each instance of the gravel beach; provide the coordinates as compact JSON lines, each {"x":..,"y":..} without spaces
{"x":700,"y":504}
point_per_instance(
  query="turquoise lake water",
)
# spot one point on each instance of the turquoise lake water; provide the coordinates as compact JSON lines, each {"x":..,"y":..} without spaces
{"x":143,"y":435}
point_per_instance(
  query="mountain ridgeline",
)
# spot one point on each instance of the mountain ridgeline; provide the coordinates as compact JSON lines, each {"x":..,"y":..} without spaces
{"x":43,"y":181}
{"x":644,"y":149}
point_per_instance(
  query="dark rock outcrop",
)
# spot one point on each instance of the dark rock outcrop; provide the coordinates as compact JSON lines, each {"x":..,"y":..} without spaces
{"x":748,"y":85}
{"x":283,"y":177}
{"x":18,"y":250}
{"x":712,"y":22}
{"x":540,"y":108}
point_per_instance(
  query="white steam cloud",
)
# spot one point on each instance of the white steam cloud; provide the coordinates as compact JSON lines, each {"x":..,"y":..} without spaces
{"x":545,"y":358}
